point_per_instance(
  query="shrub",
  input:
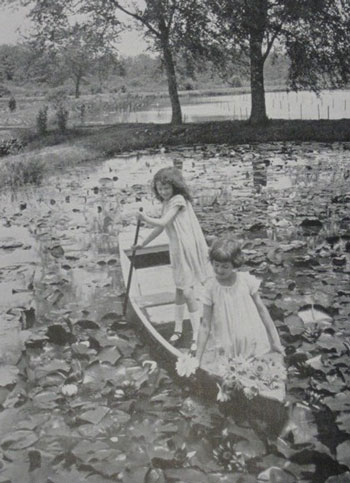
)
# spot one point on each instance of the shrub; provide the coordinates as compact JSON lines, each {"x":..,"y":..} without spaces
{"x":188,"y":86}
{"x":62,"y":118}
{"x":57,"y":97}
{"x":10,"y":146}
{"x":12,"y":104}
{"x":82,"y":113}
{"x":235,"y":81}
{"x":59,"y":101}
{"x":16,"y":173}
{"x":4,"y":91}
{"x":41,"y":120}
{"x":96,"y":90}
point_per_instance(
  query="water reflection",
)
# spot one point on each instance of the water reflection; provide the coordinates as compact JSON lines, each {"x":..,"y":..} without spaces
{"x":333,"y":104}
{"x":260,"y":174}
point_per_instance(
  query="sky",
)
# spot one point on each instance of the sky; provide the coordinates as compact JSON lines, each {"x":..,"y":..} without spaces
{"x":12,"y":20}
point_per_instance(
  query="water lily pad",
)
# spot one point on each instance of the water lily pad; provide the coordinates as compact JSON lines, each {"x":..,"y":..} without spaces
{"x":155,"y":475}
{"x":57,"y":251}
{"x":94,"y":416}
{"x":8,"y":375}
{"x":53,"y":366}
{"x":276,"y":475}
{"x":343,"y":421}
{"x":312,"y":314}
{"x":331,"y":343}
{"x":252,"y":448}
{"x":301,"y":424}
{"x":187,"y":474}
{"x":295,"y":325}
{"x":59,"y":335}
{"x":68,"y":476}
{"x":87,"y":450}
{"x":343,"y":453}
{"x":18,"y":440}
{"x":338,"y":402}
{"x":87,"y":324}
{"x":110,"y":354}
{"x":46,"y":399}
{"x":341,"y":478}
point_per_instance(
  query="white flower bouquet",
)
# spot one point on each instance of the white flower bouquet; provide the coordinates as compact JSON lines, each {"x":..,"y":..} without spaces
{"x":186,"y":365}
{"x":264,"y":375}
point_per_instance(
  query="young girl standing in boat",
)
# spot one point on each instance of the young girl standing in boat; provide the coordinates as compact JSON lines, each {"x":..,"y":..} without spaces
{"x":187,"y":245}
{"x":235,"y":321}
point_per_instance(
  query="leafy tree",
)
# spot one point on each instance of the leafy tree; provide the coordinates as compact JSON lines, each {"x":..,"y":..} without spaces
{"x":7,"y":62}
{"x":143,"y":70}
{"x":104,"y":65}
{"x":312,"y":33}
{"x":161,"y":22}
{"x":168,"y":25}
{"x":13,"y":61}
{"x":75,"y":50}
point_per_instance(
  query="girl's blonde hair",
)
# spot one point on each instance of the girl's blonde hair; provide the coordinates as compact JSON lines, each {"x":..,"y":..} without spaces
{"x":226,"y":249}
{"x":172,"y":176}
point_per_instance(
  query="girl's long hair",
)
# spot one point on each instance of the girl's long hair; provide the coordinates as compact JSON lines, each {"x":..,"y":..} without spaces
{"x":174,"y":177}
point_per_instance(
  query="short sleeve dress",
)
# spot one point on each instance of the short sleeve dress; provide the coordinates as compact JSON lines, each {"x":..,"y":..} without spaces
{"x":188,"y":248}
{"x":237,"y":328}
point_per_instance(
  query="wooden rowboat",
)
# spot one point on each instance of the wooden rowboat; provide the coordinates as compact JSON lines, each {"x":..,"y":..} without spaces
{"x":152,"y":288}
{"x":151,"y":297}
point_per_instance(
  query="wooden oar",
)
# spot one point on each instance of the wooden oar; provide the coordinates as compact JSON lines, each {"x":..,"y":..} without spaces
{"x":132,"y":261}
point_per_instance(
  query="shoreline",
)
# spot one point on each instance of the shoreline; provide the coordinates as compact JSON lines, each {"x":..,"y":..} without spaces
{"x":125,"y":137}
{"x":53,"y":152}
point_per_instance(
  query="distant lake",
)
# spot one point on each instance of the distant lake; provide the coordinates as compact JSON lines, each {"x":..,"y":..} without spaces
{"x":330,"y":104}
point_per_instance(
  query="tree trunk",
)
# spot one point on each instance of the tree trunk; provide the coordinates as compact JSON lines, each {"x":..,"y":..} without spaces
{"x":257,"y":19}
{"x":258,"y":112}
{"x":176,"y":117}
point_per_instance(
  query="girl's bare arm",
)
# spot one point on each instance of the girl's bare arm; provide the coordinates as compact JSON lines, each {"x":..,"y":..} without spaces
{"x":204,"y":331}
{"x":163,"y":220}
{"x":154,"y":233}
{"x":269,"y":324}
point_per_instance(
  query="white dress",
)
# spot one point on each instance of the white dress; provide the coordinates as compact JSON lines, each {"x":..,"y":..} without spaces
{"x":188,"y":248}
{"x":236,"y":326}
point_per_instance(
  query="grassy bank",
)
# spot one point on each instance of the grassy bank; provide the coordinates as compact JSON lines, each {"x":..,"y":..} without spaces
{"x":55,"y":151}
{"x":118,"y":138}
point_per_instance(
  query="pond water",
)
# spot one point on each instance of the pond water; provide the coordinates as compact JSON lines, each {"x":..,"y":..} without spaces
{"x":79,"y":401}
{"x":333,"y":104}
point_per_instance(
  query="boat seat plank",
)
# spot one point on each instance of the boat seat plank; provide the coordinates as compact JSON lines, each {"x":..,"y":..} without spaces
{"x":155,"y":299}
{"x":153,"y":280}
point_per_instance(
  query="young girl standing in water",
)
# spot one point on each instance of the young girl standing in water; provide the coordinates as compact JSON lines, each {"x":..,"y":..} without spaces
{"x":187,"y":245}
{"x":235,"y":320}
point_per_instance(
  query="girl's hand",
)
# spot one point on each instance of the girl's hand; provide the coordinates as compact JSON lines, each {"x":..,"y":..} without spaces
{"x":136,"y":247}
{"x":140,"y":216}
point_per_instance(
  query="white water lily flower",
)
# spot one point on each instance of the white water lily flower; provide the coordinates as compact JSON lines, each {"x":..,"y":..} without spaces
{"x":250,"y":392}
{"x":186,"y":365}
{"x":222,"y":395}
{"x":254,"y":375}
{"x":69,"y":390}
{"x":151,"y":365}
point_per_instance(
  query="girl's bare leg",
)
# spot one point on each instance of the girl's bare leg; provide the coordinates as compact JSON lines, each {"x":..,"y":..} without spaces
{"x":179,"y":315}
{"x":194,"y":314}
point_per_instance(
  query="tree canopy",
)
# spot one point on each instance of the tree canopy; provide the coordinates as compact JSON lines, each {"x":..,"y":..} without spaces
{"x":313,"y":34}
